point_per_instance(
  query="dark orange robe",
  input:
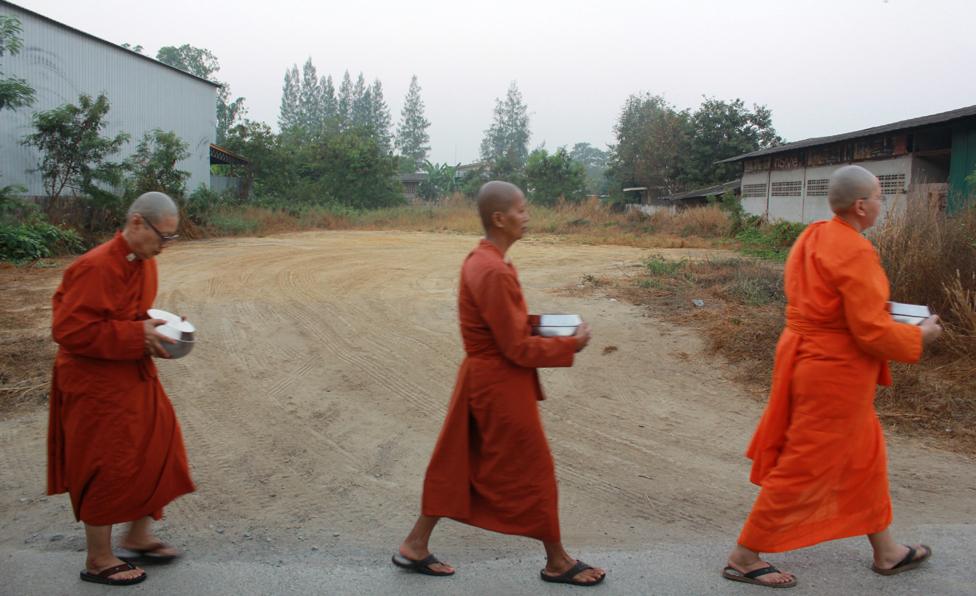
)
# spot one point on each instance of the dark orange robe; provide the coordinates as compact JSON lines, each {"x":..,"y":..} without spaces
{"x":492,"y":467}
{"x":113,"y":440}
{"x":819,"y":452}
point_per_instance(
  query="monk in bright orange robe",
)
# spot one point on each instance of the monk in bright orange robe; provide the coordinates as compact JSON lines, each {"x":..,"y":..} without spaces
{"x":113,"y":440}
{"x":819,"y":452}
{"x":491,"y":467}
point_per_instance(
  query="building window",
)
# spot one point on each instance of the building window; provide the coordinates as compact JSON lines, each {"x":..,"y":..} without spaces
{"x":892,"y":184}
{"x":818,"y":187}
{"x":793,"y":188}
{"x":751,"y":191}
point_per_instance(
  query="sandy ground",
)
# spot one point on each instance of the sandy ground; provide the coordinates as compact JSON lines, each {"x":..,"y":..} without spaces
{"x":324,"y":365}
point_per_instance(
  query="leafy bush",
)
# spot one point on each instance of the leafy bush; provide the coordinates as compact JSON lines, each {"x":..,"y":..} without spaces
{"x":770,"y":241}
{"x":36,"y":240}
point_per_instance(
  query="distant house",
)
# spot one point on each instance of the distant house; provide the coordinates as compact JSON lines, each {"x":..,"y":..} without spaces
{"x":61,"y":63}
{"x":411,"y":183}
{"x":921,"y":157}
{"x":676,"y":202}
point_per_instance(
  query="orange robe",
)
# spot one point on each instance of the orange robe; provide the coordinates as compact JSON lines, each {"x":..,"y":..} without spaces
{"x":113,"y":440}
{"x":819,"y":452}
{"x":492,"y":467}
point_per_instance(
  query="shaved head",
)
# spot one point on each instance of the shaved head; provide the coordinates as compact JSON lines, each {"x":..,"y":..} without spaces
{"x":496,"y":196}
{"x":153,"y":206}
{"x":847,"y":185}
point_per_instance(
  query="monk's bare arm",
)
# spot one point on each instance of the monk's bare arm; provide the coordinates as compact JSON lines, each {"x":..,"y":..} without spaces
{"x":500,"y":300}
{"x":864,"y":287}
{"x":82,"y":322}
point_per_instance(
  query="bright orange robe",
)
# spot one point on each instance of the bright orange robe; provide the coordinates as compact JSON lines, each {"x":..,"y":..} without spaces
{"x":492,"y":467}
{"x":113,"y":440}
{"x":819,"y":452}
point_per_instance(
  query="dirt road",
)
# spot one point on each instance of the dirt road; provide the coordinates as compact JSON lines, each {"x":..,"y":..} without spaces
{"x":323,"y":369}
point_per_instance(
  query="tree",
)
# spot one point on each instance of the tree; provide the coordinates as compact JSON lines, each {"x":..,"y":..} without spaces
{"x":353,"y":170}
{"x":202,"y":63}
{"x":74,"y":155}
{"x":273,"y":168}
{"x":289,"y":118}
{"x":505,"y":146}
{"x":361,"y":108}
{"x":135,"y":48}
{"x":14,"y":92}
{"x":310,"y":101}
{"x":723,"y":129}
{"x":330,"y":106}
{"x":379,"y":118}
{"x":652,"y":139}
{"x":553,"y":177}
{"x":411,"y":138}
{"x":594,"y":161}
{"x":441,"y":180}
{"x":344,"y":102}
{"x":153,"y":165}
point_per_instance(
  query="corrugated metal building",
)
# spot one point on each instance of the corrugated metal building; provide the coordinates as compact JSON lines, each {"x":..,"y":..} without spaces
{"x":927,"y":157}
{"x":61,"y":63}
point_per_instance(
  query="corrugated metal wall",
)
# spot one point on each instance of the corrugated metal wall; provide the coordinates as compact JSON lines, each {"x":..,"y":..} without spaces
{"x":61,"y":64}
{"x":962,"y":165}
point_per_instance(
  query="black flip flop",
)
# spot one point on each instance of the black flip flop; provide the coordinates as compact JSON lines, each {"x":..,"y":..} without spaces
{"x":104,"y":576}
{"x":906,"y":564}
{"x":145,"y":556}
{"x":569,"y":576}
{"x":752,"y":577}
{"x":422,"y":566}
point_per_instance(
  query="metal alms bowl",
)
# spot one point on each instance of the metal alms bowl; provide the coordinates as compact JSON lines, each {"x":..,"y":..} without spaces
{"x":555,"y":324}
{"x":175,"y":328}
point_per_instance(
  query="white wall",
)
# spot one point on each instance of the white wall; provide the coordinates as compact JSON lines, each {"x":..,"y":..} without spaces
{"x":60,"y":64}
{"x":755,"y":205}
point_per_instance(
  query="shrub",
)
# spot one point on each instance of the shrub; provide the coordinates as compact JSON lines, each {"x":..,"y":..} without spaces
{"x":36,"y":240}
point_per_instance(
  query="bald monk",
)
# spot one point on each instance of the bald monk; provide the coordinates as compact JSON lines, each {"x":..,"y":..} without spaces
{"x":819,"y":452}
{"x":491,"y":467}
{"x":114,"y":444}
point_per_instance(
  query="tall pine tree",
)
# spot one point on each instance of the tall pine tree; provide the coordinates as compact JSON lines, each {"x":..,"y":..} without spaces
{"x":412,"y":139}
{"x":362,"y":109}
{"x":330,"y":107}
{"x":344,"y":102}
{"x":288,"y":116}
{"x":310,"y":100}
{"x":380,"y":120}
{"x":505,"y":146}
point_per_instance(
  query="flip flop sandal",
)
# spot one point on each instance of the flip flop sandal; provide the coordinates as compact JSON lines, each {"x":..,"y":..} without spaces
{"x":422,"y":566}
{"x":906,"y":564}
{"x":145,"y":556}
{"x":752,"y":577}
{"x":105,"y":576}
{"x":569,"y":576}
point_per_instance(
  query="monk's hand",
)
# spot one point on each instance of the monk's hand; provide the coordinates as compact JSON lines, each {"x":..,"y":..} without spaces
{"x":931,"y":330}
{"x":154,"y":340}
{"x":582,"y":335}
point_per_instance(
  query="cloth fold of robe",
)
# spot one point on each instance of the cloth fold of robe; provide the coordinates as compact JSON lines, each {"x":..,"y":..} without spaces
{"x":114,"y":443}
{"x":491,"y":467}
{"x":819,"y":452}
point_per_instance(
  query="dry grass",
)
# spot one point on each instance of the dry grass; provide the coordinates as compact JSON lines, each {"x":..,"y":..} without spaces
{"x":741,"y":316}
{"x":589,"y":222}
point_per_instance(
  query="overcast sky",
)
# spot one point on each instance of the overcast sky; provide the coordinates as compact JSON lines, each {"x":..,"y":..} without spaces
{"x":822,"y":66}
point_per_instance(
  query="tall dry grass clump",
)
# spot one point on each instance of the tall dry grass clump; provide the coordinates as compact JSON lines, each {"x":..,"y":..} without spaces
{"x":930,"y":257}
{"x":705,"y":222}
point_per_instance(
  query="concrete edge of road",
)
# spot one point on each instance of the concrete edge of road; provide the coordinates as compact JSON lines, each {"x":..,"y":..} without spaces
{"x":840,"y":567}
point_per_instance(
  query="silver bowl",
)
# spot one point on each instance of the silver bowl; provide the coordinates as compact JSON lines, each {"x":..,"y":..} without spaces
{"x":176,"y":329}
{"x":555,"y":324}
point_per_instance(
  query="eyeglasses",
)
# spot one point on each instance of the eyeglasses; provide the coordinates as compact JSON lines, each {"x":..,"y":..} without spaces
{"x":164,"y":237}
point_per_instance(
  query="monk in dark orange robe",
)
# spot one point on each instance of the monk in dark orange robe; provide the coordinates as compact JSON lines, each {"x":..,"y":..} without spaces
{"x":819,"y":452}
{"x":491,"y":467}
{"x":113,"y":440}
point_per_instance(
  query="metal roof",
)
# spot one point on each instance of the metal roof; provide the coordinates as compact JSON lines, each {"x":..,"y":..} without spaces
{"x":708,"y":191}
{"x":222,"y":155}
{"x":939,"y":118}
{"x":106,"y":42}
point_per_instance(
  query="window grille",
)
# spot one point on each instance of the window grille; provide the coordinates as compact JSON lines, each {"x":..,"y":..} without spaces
{"x":754,"y":191}
{"x":892,"y":184}
{"x":793,"y":188}
{"x":818,"y":187}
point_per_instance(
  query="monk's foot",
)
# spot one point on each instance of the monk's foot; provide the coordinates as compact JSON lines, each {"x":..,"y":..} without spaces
{"x":149,"y":546}
{"x":96,"y":566}
{"x":886,"y":561}
{"x":419,"y":552}
{"x":748,"y":566}
{"x":558,"y":567}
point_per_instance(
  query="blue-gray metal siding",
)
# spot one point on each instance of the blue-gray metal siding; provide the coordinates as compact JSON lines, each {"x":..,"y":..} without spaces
{"x":61,"y":64}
